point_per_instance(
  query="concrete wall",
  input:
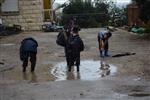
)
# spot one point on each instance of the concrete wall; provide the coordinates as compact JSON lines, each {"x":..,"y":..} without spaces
{"x":30,"y":15}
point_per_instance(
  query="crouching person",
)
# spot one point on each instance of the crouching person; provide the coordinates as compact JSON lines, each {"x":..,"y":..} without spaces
{"x":74,"y":47}
{"x":28,"y":50}
{"x":103,"y":37}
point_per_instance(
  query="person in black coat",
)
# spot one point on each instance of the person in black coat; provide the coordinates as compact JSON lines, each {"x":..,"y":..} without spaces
{"x":73,"y":48}
{"x":28,"y":49}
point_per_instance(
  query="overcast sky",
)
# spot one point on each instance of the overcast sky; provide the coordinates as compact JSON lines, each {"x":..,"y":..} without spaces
{"x":118,"y":1}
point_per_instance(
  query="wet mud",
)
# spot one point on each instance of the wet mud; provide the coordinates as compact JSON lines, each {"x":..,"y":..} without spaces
{"x":127,"y":80}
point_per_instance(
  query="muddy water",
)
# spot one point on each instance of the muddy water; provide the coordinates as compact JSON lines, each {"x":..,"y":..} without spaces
{"x":41,"y":74}
{"x":89,"y":70}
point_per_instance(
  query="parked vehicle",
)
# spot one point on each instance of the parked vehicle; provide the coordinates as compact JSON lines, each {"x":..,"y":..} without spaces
{"x":9,"y":30}
{"x":51,"y":28}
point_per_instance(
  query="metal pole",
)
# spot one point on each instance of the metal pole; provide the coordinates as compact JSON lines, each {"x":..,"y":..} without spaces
{"x":51,"y":10}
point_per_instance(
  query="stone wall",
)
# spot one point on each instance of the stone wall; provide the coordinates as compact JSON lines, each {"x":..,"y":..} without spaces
{"x":30,"y":15}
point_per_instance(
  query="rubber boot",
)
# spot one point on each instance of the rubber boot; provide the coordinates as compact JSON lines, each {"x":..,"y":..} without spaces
{"x":78,"y":69}
{"x":69,"y":68}
{"x":106,"y":53}
{"x":24,"y":69}
{"x":32,"y":69}
{"x":101,"y":53}
{"x":33,"y":66}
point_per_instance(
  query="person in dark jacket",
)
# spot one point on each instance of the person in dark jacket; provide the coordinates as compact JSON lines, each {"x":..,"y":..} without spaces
{"x":28,"y":49}
{"x":73,"y":48}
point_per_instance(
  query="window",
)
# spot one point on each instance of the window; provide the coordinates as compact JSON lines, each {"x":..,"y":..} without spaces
{"x":10,"y":6}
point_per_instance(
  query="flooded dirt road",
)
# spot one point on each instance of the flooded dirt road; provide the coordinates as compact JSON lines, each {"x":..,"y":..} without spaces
{"x":126,"y":78}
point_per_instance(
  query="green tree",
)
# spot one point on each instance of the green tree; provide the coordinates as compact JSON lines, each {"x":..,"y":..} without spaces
{"x":102,"y":8}
{"x":118,"y":16}
{"x":88,"y":13}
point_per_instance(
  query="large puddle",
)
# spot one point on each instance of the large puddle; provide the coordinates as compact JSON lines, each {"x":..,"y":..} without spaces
{"x":89,"y":70}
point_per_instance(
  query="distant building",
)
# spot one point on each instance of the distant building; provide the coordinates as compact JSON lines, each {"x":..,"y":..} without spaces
{"x":133,"y":15}
{"x":30,"y":14}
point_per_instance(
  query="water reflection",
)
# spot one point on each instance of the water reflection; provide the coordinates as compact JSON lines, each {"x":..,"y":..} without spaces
{"x":105,"y":69}
{"x":89,"y":70}
{"x":29,"y":76}
{"x":33,"y":77}
{"x":72,"y":75}
{"x":24,"y":76}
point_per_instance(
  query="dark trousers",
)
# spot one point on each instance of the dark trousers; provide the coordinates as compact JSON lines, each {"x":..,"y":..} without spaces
{"x":32,"y":57}
{"x":106,"y":46}
{"x":73,"y":60}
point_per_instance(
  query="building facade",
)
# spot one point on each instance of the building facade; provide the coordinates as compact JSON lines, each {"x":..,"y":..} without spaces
{"x":133,"y":15}
{"x":30,"y":14}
